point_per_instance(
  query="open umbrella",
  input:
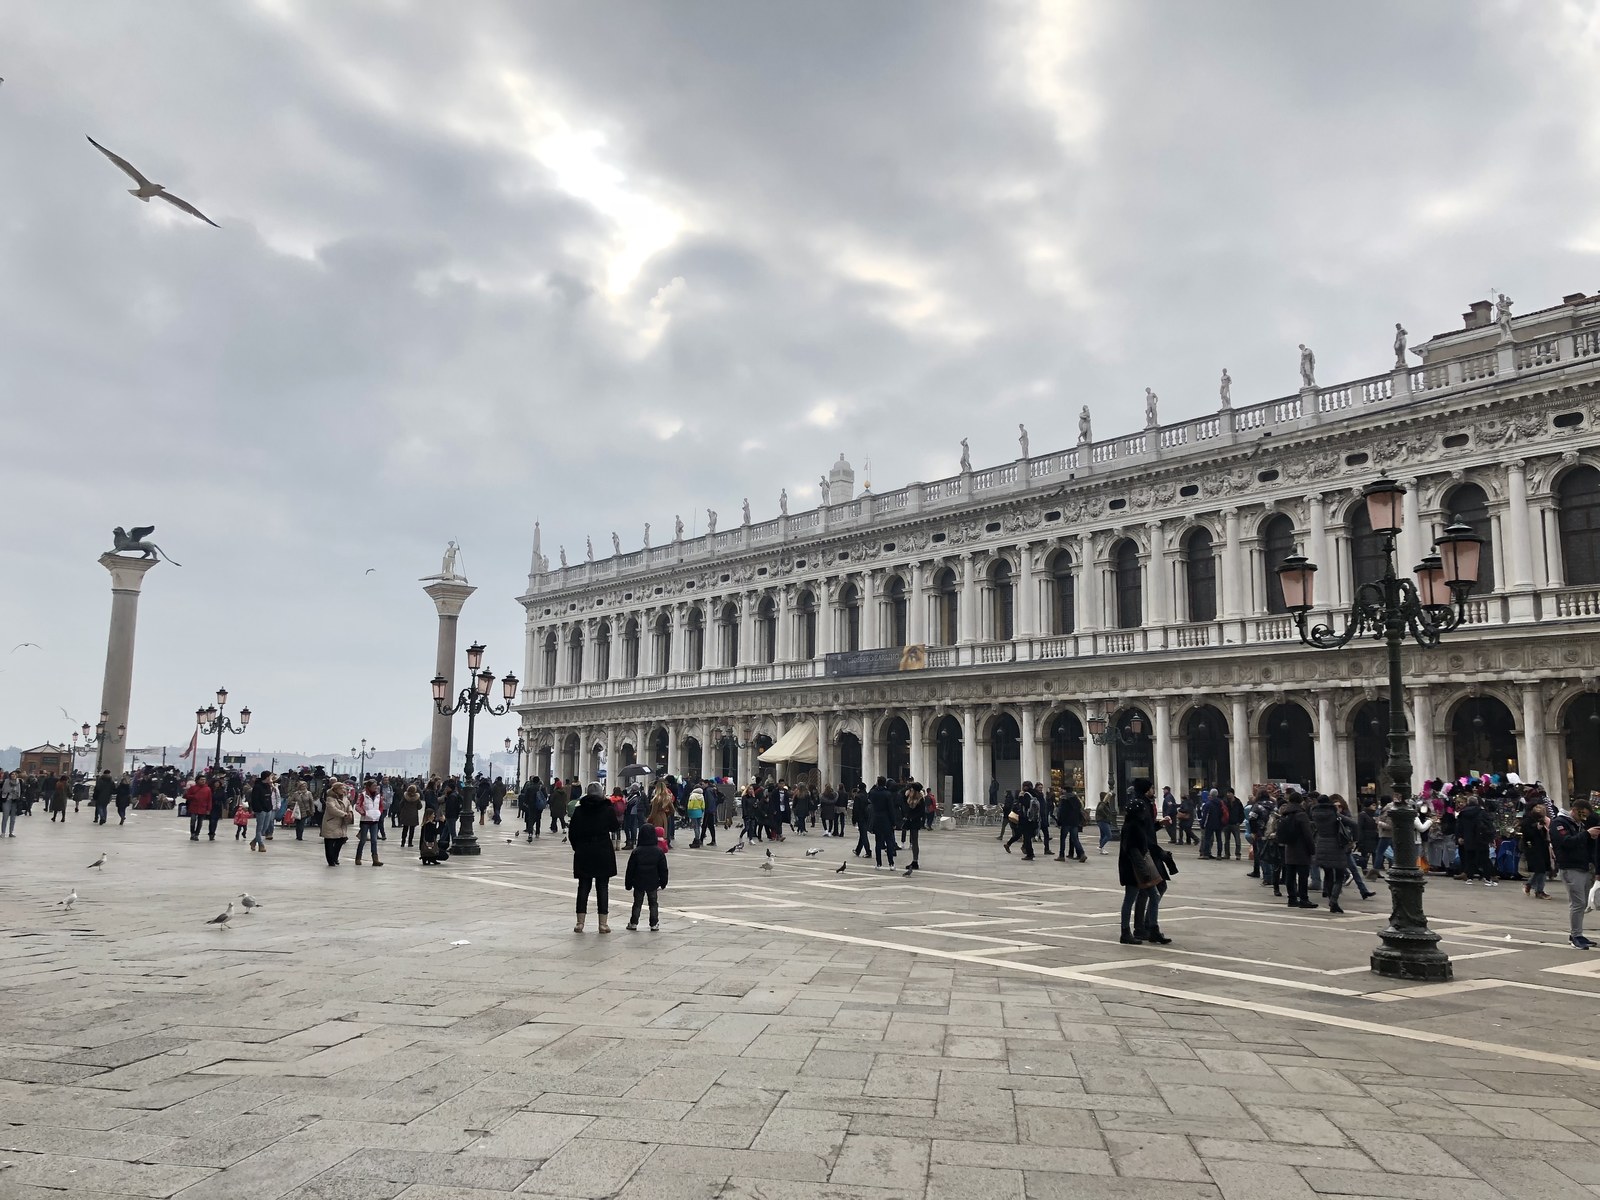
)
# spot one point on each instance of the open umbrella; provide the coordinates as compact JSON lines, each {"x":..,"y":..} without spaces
{"x":632,"y":771}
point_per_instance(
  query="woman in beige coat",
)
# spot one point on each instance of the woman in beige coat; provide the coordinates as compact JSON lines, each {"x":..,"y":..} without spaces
{"x":337,"y":814}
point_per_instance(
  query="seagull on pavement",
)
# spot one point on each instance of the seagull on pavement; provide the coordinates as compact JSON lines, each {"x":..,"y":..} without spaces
{"x":222,"y":918}
{"x":146,"y":189}
{"x":842,"y":866}
{"x":247,"y":901}
{"x":766,"y":866}
{"x":99,"y":862}
{"x":72,"y":898}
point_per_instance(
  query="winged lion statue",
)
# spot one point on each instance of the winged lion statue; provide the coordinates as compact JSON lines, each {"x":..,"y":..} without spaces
{"x":125,"y":541}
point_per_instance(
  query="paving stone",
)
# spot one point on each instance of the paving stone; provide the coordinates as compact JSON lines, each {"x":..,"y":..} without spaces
{"x":590,"y":1167}
{"x":1155,"y":1156}
{"x":969,"y":1183}
{"x":1238,"y":1180}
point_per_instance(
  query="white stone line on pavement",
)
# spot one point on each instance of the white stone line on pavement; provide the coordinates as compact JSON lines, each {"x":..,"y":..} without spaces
{"x":999,"y":943}
{"x":1588,"y":967}
{"x":1422,"y":990}
{"x":1077,"y":975}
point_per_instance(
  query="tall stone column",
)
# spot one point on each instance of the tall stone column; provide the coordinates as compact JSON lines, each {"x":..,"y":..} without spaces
{"x":967,"y":617}
{"x":917,"y":610}
{"x":1232,"y":568}
{"x":1027,"y":602}
{"x":1088,"y":589}
{"x":1531,"y":763}
{"x":116,"y":690}
{"x":1165,"y":759}
{"x":974,"y":786}
{"x":448,"y":596}
{"x":1327,"y":742}
{"x":1241,"y":759}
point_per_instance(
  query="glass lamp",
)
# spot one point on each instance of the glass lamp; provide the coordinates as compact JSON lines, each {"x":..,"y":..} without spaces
{"x":509,"y":687}
{"x":474,"y":656}
{"x":1384,"y":508}
{"x":1432,"y":590}
{"x":1296,"y":576}
{"x":440,"y":686}
{"x":1460,"y":552}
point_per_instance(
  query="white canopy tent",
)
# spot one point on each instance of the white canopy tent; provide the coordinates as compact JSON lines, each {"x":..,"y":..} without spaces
{"x":798,"y":745}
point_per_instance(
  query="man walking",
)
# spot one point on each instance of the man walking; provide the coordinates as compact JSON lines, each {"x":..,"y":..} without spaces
{"x":1574,"y":843}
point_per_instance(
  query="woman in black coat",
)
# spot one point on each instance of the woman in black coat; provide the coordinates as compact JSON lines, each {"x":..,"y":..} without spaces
{"x":594,"y":859}
{"x":1138,"y":840}
{"x":1536,"y":846}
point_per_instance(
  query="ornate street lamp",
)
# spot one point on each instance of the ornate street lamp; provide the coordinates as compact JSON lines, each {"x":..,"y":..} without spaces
{"x":1106,"y":734}
{"x":519,"y":748}
{"x":1387,"y":610}
{"x":473,"y":700}
{"x":362,"y":755}
{"x":211,"y":719}
{"x":93,"y":740}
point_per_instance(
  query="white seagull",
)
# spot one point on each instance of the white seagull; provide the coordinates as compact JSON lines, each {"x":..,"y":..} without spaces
{"x":222,"y":918}
{"x":72,"y":898}
{"x":814,"y":852}
{"x":99,"y":862}
{"x":247,"y":901}
{"x":146,"y":189}
{"x":767,"y":865}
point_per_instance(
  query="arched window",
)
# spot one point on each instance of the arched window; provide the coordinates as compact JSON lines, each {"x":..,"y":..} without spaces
{"x":728,"y":635}
{"x":767,"y":630}
{"x":1002,"y":601}
{"x":550,"y":659}
{"x":662,"y":659}
{"x":1578,"y":496}
{"x":1369,"y":559}
{"x":899,"y":610}
{"x":695,"y":640}
{"x":575,"y":656}
{"x":1130,"y":587}
{"x":947,"y":608}
{"x":602,"y":652}
{"x":630,"y":649}
{"x":1470,"y":503}
{"x":806,"y":626}
{"x":1063,"y":604}
{"x":1277,"y":544}
{"x":850,"y":616}
{"x":1200,"y":569}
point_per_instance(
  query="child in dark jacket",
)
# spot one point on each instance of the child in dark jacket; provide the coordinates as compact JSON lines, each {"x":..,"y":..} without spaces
{"x":646,"y":874}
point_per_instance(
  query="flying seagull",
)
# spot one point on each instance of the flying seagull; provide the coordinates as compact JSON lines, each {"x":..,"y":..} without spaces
{"x":370,"y":570}
{"x":222,"y":918}
{"x":20,"y":645}
{"x":72,"y":898}
{"x":99,"y":862}
{"x":842,"y":866}
{"x":146,"y":189}
{"x":247,"y":901}
{"x":813,"y":852}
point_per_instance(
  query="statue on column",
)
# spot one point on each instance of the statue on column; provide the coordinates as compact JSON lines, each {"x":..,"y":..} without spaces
{"x":1084,"y":434}
{"x":134,"y":542}
{"x":616,"y":544}
{"x":563,"y":558}
{"x":1308,"y":367}
{"x":783,"y":503}
{"x":746,"y":510}
{"x":647,"y":535}
{"x":1502,"y":316}
{"x":1399,"y":346}
{"x":1150,"y":402}
{"x":711,"y":522}
{"x":447,"y":570}
{"x":677,"y":527}
{"x":822,"y":488}
{"x":966,"y":457}
{"x":1225,"y":389}
{"x":1022,"y":438}
{"x":588,"y":549}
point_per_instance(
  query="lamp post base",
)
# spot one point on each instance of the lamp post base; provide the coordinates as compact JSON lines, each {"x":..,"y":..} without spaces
{"x":1410,"y":949}
{"x":465,"y":842}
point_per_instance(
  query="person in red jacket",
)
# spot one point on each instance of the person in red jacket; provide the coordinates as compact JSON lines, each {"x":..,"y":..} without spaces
{"x":199,"y":801}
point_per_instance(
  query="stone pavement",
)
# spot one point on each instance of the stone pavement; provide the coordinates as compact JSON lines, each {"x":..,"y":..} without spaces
{"x":974,"y":1031}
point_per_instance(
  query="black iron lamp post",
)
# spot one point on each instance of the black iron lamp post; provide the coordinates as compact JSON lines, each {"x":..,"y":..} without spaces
{"x":473,"y":700}
{"x":361,"y":756}
{"x":1106,"y":732}
{"x":519,"y":748}
{"x":211,"y":720}
{"x":94,"y":739}
{"x":1388,"y":610}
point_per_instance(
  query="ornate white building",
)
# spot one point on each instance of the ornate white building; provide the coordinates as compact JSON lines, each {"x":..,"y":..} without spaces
{"x":1131,"y":578}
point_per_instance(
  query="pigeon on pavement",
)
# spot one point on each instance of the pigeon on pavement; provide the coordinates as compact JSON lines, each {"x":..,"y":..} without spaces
{"x":146,"y":189}
{"x":841,"y":868}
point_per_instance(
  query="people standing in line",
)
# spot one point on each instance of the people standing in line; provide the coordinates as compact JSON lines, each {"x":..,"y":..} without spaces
{"x":1256,"y":819}
{"x":1104,"y":813}
{"x":915,"y":810}
{"x":1211,"y":823}
{"x":1298,"y":839}
{"x":1536,"y":849}
{"x":594,"y":860}
{"x":105,"y":790}
{"x":303,"y":804}
{"x":406,"y":811}
{"x":337,"y":815}
{"x":198,"y":801}
{"x":1575,"y":844}
{"x":1186,"y":807}
{"x":369,"y":813}
{"x":11,"y":802}
{"x":645,"y":877}
{"x":881,"y":804}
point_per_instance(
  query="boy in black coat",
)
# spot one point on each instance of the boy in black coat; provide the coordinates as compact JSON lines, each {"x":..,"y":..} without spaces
{"x":646,"y":874}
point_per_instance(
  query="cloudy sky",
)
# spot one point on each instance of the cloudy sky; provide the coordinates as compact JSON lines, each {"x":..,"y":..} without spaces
{"x":597,"y":264}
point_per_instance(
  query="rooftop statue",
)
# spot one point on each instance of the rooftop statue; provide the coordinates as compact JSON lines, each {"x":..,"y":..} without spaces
{"x":133,"y":542}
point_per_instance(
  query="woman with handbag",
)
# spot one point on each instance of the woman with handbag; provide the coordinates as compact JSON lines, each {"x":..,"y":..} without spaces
{"x":337,"y":815}
{"x":1136,"y":865}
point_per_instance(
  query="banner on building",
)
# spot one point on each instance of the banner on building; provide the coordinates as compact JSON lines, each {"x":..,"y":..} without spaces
{"x":852,"y":663}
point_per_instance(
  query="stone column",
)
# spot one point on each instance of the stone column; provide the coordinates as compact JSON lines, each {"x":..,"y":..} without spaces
{"x":1161,"y":614}
{"x":1423,"y":763}
{"x":1027,"y":603}
{"x":1413,"y":536}
{"x":672,"y":748}
{"x":1087,"y":593}
{"x":746,"y":762}
{"x":916,"y":726}
{"x":1327,"y":746}
{"x":1030,"y":744}
{"x":1241,"y":762}
{"x":448,"y":596}
{"x":824,"y":752}
{"x":916,"y":610}
{"x":1517,"y":540}
{"x":1165,"y":761}
{"x":1095,"y":765}
{"x":974,"y":788}
{"x":1530,"y":763}
{"x":116,"y":688}
{"x":611,"y":758}
{"x":968,"y":616}
{"x":1232,"y":569}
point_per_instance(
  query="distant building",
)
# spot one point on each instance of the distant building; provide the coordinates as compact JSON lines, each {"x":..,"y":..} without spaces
{"x":45,"y":760}
{"x":966,"y":631}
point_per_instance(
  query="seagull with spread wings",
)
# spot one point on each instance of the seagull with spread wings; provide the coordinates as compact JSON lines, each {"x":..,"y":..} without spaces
{"x":146,"y":189}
